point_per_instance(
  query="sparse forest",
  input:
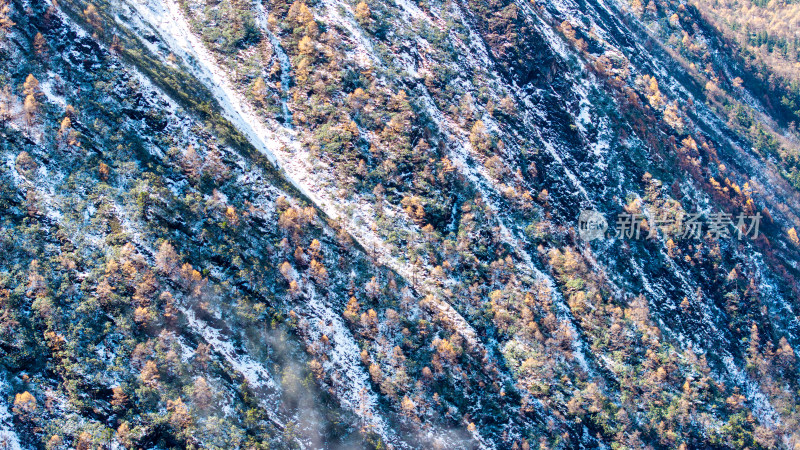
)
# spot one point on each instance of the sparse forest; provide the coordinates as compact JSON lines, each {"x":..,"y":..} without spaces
{"x":352,"y":224}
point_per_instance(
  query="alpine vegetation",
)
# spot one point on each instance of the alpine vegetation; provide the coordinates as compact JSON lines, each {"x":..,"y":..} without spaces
{"x":399,"y":224}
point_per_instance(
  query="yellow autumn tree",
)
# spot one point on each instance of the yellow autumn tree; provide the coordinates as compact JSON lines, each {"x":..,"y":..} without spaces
{"x":792,"y":233}
{"x":201,"y":392}
{"x":123,"y":435}
{"x":31,"y":86}
{"x":363,"y":14}
{"x":479,"y":138}
{"x":318,"y":272}
{"x":149,"y":374}
{"x":24,"y":405}
{"x":351,"y":311}
{"x":166,"y":258}
{"x":66,"y":134}
{"x":179,"y":415}
{"x":302,"y":19}
{"x":409,"y":408}
{"x":287,"y":271}
{"x":5,"y":18}
{"x":93,"y":17}
{"x":306,"y":46}
{"x":119,"y":398}
{"x":39,"y":44}
{"x":30,"y":108}
{"x":260,"y":90}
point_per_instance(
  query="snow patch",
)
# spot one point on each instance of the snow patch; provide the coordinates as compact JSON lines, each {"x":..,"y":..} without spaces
{"x":8,"y":437}
{"x":47,"y":89}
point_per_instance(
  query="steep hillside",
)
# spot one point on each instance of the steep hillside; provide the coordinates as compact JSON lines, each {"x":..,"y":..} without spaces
{"x":336,"y":224}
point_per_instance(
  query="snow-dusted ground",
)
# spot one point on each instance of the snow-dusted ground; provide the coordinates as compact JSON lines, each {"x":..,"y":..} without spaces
{"x":171,"y":24}
{"x":8,"y":437}
{"x":167,"y":20}
{"x":364,"y":53}
{"x":352,"y":382}
{"x":280,"y":146}
{"x":255,"y":373}
{"x":257,"y":376}
{"x":286,"y":67}
{"x":47,"y":89}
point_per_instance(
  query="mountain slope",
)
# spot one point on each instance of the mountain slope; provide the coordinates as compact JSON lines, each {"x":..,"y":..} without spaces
{"x":344,"y":224}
